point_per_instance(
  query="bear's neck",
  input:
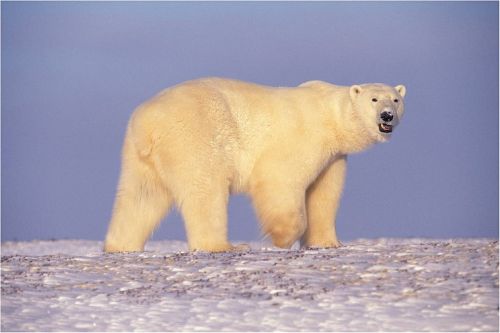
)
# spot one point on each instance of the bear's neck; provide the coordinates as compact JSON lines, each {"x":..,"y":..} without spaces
{"x":346,"y":132}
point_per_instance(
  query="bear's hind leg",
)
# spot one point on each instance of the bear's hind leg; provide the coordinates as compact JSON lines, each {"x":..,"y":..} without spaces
{"x":204,"y":210}
{"x":141,"y":202}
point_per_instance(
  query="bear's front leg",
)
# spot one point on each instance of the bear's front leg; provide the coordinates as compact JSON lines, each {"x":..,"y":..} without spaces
{"x":322,"y":200}
{"x":281,"y":212}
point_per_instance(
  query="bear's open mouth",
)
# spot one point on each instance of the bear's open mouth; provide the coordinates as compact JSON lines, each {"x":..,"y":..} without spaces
{"x":385,"y":128}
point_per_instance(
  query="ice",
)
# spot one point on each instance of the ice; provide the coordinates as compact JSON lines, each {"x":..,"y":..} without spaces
{"x":366,"y":285}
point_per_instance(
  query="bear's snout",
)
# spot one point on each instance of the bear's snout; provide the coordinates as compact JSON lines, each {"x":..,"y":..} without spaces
{"x":386,"y":125}
{"x":387,"y":116}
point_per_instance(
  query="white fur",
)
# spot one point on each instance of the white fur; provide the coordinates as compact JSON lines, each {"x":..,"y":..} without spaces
{"x":197,"y":142}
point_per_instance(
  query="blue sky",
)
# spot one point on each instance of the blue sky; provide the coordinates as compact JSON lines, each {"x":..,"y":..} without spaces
{"x":72,"y":73}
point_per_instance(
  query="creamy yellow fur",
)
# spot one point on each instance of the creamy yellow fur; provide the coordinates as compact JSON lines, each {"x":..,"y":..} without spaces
{"x":196,"y":143}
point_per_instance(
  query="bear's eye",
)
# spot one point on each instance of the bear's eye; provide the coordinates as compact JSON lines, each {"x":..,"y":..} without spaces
{"x":396,"y":100}
{"x":374,"y":100}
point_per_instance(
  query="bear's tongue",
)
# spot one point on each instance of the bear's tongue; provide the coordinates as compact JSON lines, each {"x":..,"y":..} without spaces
{"x":385,"y":128}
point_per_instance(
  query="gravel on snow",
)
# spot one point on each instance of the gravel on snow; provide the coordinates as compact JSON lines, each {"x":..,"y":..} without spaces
{"x":368,"y":285}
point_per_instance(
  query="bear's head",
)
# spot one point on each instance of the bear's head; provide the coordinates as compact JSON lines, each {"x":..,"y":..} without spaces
{"x":378,"y":107}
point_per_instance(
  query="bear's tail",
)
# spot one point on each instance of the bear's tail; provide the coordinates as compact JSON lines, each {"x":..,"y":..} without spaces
{"x":140,"y":131}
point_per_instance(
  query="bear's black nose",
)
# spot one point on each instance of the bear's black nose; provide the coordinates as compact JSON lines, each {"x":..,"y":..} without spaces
{"x":386,"y":116}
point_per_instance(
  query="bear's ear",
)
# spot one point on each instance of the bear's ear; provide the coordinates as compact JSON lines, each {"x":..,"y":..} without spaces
{"x":401,"y":90}
{"x":354,"y":91}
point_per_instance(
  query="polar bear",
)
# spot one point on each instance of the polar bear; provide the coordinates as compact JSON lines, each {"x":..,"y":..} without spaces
{"x":194,"y":144}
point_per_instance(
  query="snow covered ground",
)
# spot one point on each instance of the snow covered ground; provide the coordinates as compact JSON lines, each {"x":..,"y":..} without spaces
{"x":367,"y":285}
